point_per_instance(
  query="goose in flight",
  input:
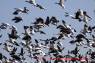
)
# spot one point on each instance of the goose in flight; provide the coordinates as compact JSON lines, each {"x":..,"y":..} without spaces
{"x":54,"y":20}
{"x":47,"y":22}
{"x":17,"y":19}
{"x":20,"y":10}
{"x":78,"y":15}
{"x":40,"y":7}
{"x":14,"y":33}
{"x":61,"y":3}
{"x":34,"y":3}
{"x":4,"y":25}
{"x":8,"y":46}
{"x":86,"y":16}
{"x":39,"y":23}
{"x":31,"y":2}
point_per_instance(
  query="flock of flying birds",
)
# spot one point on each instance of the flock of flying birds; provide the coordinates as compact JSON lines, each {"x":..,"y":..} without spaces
{"x":21,"y":46}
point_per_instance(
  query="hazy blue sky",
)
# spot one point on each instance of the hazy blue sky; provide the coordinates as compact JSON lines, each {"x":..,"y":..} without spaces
{"x":71,"y":6}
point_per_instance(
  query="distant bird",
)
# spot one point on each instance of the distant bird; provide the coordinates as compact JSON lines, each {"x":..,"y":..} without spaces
{"x":53,"y":48}
{"x":14,"y":33}
{"x":46,"y":41}
{"x":27,"y":34}
{"x":66,"y":14}
{"x":17,"y":19}
{"x":19,"y":10}
{"x":36,"y":41}
{"x":32,"y":30}
{"x":60,"y":44}
{"x":87,"y":29}
{"x":72,"y":42}
{"x":66,"y":30}
{"x":60,"y":36}
{"x":86,"y":16}
{"x":75,"y":51}
{"x":40,"y":7}
{"x":78,"y":15}
{"x":4,"y":25}
{"x":93,"y":38}
{"x":1,"y":56}
{"x":8,"y":47}
{"x":31,"y":2}
{"x":25,"y":27}
{"x":13,"y":36}
{"x":37,"y":49}
{"x":61,"y":3}
{"x":13,"y":51}
{"x":26,"y":38}
{"x":53,"y":39}
{"x":60,"y":48}
{"x":63,"y":21}
{"x":92,"y":42}
{"x":54,"y":20}
{"x":42,"y":32}
{"x":60,"y":27}
{"x":81,"y":15}
{"x":79,"y":39}
{"x":93,"y":28}
{"x":34,"y":3}
{"x":21,"y":52}
{"x":66,"y":25}
{"x":0,"y":35}
{"x":39,"y":21}
{"x":16,"y":57}
{"x":47,"y":22}
{"x":71,"y":30}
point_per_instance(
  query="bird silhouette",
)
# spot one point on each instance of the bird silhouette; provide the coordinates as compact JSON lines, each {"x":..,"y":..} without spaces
{"x":54,"y":20}
{"x":35,"y":4}
{"x":19,"y":10}
{"x":47,"y":22}
{"x":17,"y":19}
{"x":4,"y":25}
{"x":31,"y":2}
{"x":61,"y":3}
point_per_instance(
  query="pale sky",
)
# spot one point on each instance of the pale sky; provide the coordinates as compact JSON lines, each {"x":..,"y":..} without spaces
{"x":71,"y":6}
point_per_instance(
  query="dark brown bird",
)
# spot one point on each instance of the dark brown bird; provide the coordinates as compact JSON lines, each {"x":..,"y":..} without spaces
{"x":54,"y":20}
{"x":17,"y":19}
{"x":40,"y":7}
{"x":78,"y":14}
{"x":19,"y":10}
{"x":47,"y":22}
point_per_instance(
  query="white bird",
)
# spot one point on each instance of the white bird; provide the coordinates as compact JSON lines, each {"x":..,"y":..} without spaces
{"x":81,"y":12}
{"x":8,"y":47}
